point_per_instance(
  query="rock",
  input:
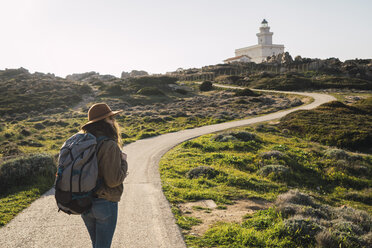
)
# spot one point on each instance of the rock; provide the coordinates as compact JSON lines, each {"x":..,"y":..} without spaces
{"x":135,"y":73}
{"x":281,"y":58}
{"x":125,"y":75}
{"x":298,"y":58}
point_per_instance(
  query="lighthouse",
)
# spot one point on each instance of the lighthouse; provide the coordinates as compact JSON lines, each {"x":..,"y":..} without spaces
{"x":264,"y":48}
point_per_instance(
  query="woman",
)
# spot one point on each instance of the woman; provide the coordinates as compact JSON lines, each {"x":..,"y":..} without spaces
{"x":101,"y":219}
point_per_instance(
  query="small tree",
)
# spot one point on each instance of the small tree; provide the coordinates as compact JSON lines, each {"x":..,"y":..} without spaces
{"x":206,"y":86}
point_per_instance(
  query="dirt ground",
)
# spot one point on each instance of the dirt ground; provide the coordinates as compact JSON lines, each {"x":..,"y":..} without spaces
{"x":209,"y":213}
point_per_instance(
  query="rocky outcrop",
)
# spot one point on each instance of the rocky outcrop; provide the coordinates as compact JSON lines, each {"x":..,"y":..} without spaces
{"x":133,"y":73}
{"x":89,"y":77}
{"x":282,"y":58}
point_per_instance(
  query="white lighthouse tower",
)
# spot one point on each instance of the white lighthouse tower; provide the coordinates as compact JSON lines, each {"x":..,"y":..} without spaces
{"x":264,"y":48}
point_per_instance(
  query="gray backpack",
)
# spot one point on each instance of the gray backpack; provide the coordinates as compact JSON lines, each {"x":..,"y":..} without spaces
{"x":77,"y":174}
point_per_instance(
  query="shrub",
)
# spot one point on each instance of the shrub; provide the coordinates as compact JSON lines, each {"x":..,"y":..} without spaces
{"x":346,"y":226}
{"x":206,"y":86}
{"x":85,"y":89}
{"x":336,"y":154}
{"x":204,"y":171}
{"x":266,"y":128}
{"x":145,"y":135}
{"x":275,"y":171}
{"x":302,"y":229}
{"x":358,"y":217}
{"x":326,"y":239}
{"x":272,"y":154}
{"x":192,"y":144}
{"x":39,"y":126}
{"x":150,"y":91}
{"x":154,"y":80}
{"x":181,"y":91}
{"x":367,"y":239}
{"x":114,"y":90}
{"x":25,"y":132}
{"x":25,"y":170}
{"x":295,"y":197}
{"x":223,"y":138}
{"x":245,"y":92}
{"x":244,"y":136}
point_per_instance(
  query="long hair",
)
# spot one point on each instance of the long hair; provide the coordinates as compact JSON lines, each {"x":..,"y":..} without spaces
{"x":103,"y":128}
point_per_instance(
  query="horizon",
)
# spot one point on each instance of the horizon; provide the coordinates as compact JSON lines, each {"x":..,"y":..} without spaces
{"x":158,"y":37}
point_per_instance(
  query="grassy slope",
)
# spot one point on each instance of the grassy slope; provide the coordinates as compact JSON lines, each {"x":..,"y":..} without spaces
{"x":334,"y":124}
{"x":22,"y":92}
{"x":239,"y":165}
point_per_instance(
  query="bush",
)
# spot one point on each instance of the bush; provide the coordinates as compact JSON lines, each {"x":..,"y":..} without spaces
{"x":154,"y":80}
{"x":85,"y":89}
{"x":326,"y":239}
{"x":181,"y":91}
{"x":302,"y":229}
{"x":367,"y":239}
{"x":206,"y":86}
{"x":204,"y":171}
{"x":245,"y":92}
{"x":346,"y":226}
{"x":272,"y":154}
{"x":358,"y":217}
{"x":242,"y":136}
{"x":114,"y":90}
{"x":223,"y":138}
{"x":25,"y":132}
{"x":275,"y":171}
{"x":295,"y":197}
{"x":39,"y":126}
{"x":25,"y":170}
{"x":150,"y":91}
{"x":336,"y":154}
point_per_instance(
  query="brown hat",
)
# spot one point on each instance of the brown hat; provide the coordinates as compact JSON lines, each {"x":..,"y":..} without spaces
{"x":99,"y":111}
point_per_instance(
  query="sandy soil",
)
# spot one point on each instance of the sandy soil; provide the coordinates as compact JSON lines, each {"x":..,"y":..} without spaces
{"x":211,"y":214}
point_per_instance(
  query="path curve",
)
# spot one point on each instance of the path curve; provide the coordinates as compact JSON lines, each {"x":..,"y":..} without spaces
{"x":145,"y":218}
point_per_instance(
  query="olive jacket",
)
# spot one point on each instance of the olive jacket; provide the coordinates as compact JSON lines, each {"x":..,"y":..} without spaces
{"x":112,"y":169}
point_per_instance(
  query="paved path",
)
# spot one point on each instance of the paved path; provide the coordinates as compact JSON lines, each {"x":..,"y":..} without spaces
{"x":145,"y":219}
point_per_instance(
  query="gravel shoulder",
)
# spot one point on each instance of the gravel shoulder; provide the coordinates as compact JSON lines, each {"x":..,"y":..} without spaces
{"x":145,"y":218}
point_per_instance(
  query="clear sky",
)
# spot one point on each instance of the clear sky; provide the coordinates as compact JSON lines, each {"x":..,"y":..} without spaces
{"x":111,"y":36}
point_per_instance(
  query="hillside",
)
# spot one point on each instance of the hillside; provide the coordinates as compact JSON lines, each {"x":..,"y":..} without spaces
{"x":29,"y":94}
{"x":334,"y":124}
{"x":281,"y":72}
{"x":266,"y":188}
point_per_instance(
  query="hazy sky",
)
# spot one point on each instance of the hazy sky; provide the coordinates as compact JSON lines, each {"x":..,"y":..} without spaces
{"x":111,"y":36}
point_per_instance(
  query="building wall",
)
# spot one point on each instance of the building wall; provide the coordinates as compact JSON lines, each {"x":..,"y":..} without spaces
{"x":255,"y":52}
{"x":259,"y":52}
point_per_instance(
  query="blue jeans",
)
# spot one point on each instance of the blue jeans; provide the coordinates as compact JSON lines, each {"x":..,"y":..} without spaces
{"x":100,"y":221}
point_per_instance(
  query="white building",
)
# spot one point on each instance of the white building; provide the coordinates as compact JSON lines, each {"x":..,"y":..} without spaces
{"x":241,"y":58}
{"x":263,"y":49}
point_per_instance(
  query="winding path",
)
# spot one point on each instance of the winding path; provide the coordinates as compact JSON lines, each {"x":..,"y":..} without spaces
{"x":145,"y":218}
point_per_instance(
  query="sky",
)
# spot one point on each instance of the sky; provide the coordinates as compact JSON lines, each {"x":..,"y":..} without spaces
{"x":111,"y":36}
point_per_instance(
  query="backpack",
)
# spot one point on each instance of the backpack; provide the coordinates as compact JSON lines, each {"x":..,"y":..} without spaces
{"x":77,"y":173}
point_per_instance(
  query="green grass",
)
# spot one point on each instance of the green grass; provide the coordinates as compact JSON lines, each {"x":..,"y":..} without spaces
{"x":18,"y":198}
{"x":313,"y":168}
{"x":335,"y":124}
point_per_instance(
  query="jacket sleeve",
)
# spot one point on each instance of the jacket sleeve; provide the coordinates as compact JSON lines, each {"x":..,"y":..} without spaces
{"x":112,"y":171}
